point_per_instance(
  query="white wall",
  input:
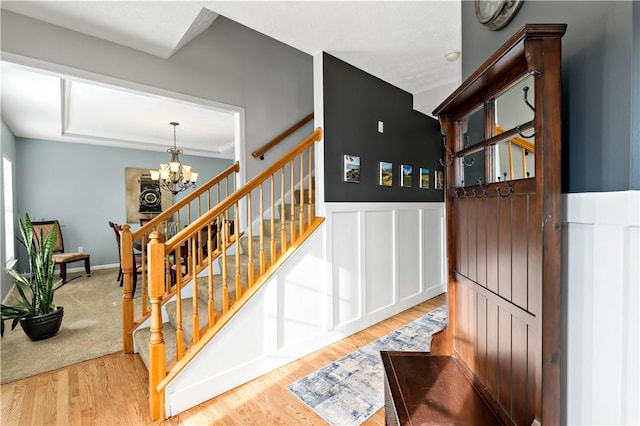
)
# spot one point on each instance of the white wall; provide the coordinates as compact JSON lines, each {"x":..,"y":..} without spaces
{"x":602,"y":274}
{"x":346,"y":277}
{"x":8,"y":149}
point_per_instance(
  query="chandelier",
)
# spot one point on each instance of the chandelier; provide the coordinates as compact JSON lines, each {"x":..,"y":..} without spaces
{"x":174,"y":176}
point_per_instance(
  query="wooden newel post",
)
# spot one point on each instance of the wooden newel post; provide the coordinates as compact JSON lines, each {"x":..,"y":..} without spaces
{"x":157,"y":362}
{"x":126,"y":255}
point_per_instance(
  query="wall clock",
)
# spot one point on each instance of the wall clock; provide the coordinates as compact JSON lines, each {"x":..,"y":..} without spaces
{"x":496,"y":14}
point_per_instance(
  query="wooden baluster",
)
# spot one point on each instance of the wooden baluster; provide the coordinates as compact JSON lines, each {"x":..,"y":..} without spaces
{"x":283,"y":209}
{"x":292,"y":222}
{"x":126,"y":254}
{"x":143,"y":275}
{"x":200,"y":242}
{"x":211,"y":304}
{"x":509,"y":146}
{"x":236,"y":217}
{"x":157,"y":362}
{"x":251,"y":264}
{"x":311,"y":190}
{"x":179,"y":325}
{"x":194,"y":298}
{"x":301,"y":200}
{"x":225,"y":281}
{"x":263,"y":260}
{"x":272,"y":258}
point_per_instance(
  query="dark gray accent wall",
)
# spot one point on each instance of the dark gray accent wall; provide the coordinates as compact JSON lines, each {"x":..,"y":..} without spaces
{"x":354,"y":102}
{"x":600,"y":89}
{"x":83,"y":186}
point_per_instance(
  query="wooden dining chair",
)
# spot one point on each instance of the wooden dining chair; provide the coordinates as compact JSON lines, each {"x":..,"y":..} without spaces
{"x":60,"y":256}
{"x":117,"y":229}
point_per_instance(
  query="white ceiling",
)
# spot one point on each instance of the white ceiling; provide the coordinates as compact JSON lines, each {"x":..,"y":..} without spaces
{"x":401,"y":42}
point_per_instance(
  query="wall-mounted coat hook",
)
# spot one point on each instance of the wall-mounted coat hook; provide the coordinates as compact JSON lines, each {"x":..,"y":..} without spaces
{"x":464,"y":193}
{"x":473,"y":161}
{"x":522,"y":135}
{"x":525,"y":91}
{"x":509,"y":190}
{"x":484,"y":189}
{"x":450,"y":162}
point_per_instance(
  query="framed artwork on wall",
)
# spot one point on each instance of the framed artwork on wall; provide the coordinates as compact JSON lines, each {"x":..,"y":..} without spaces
{"x":386,"y":173}
{"x":439,"y":179}
{"x":406,"y":176}
{"x":424,"y":178}
{"x":351,"y":168}
{"x":144,"y":199}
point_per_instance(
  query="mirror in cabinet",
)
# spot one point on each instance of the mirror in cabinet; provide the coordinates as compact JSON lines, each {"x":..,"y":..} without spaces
{"x":514,"y":156}
{"x":472,"y":129}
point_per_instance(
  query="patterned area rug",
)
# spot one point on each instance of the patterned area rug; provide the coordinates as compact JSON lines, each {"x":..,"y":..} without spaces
{"x":348,"y":391}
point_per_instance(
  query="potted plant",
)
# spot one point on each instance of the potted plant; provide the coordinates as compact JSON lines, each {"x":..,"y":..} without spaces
{"x":35,"y":310}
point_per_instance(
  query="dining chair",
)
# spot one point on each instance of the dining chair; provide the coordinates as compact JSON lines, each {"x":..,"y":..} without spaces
{"x":60,"y":257}
{"x":117,"y":229}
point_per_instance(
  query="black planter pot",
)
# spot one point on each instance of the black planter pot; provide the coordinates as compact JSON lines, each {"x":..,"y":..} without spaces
{"x":43,"y":326}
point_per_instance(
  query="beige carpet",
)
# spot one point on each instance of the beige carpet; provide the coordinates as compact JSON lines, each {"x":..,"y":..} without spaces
{"x":91,"y":327}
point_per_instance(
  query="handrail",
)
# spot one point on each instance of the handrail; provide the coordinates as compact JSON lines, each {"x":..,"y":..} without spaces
{"x":259,"y":153}
{"x":217,"y":236}
{"x":241,"y":192}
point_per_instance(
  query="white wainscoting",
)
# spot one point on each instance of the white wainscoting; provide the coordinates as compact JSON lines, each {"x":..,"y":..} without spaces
{"x":383,"y":255}
{"x":601,"y":246}
{"x":367,"y":262}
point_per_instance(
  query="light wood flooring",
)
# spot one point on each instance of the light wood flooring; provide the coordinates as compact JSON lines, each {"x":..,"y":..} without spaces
{"x":112,"y":390}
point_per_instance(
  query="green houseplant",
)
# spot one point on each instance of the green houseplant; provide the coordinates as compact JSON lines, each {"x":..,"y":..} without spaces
{"x":35,"y":310}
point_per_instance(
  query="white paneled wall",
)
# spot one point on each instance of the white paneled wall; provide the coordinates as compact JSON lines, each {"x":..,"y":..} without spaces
{"x":601,"y":246}
{"x":367,"y":262}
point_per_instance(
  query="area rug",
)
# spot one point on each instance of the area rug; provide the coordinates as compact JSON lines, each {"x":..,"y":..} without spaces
{"x":91,"y":327}
{"x":348,"y":391}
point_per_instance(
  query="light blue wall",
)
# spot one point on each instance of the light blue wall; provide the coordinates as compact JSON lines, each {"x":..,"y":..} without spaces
{"x":83,"y":186}
{"x":227,"y":63}
{"x":8,"y":149}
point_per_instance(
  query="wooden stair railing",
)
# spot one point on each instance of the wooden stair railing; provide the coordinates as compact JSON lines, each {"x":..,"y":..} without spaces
{"x":166,"y":223}
{"x":259,"y":153}
{"x":255,"y":217}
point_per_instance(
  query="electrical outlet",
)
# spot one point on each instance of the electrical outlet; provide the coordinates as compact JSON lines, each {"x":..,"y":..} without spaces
{"x":79,"y":249}
{"x":380,"y":126}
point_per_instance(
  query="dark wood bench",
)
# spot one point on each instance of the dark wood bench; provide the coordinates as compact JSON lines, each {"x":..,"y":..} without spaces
{"x":429,"y":389}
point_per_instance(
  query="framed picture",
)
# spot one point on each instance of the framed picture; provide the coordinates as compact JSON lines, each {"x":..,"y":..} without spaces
{"x":439,"y":179}
{"x":424,"y":178}
{"x":144,"y":198}
{"x":386,"y":173}
{"x":406,"y":178}
{"x":351,"y":168}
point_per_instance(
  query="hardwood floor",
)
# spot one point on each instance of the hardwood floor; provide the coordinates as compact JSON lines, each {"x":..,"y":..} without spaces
{"x":112,"y":390}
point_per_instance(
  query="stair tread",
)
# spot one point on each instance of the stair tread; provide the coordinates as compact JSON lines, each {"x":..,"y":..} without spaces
{"x":142,"y":336}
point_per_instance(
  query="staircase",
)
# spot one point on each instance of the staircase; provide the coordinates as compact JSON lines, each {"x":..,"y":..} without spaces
{"x":207,"y":256}
{"x":170,"y":328}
